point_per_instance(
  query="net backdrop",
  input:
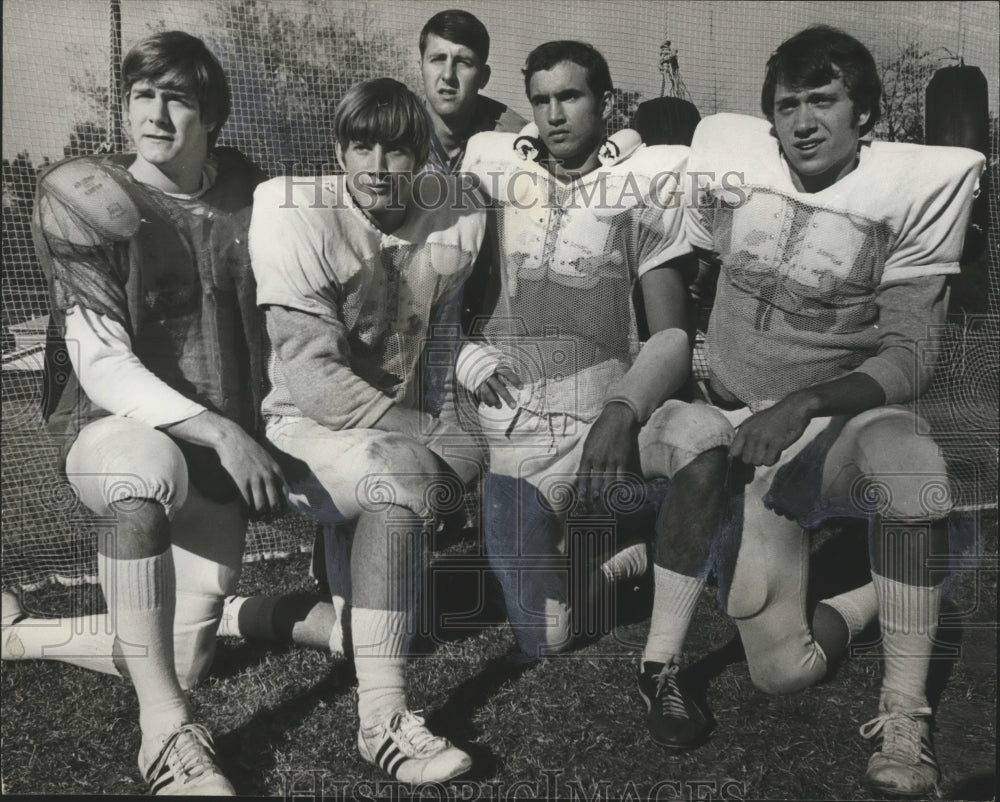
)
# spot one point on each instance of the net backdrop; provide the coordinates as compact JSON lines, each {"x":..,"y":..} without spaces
{"x":290,"y":61}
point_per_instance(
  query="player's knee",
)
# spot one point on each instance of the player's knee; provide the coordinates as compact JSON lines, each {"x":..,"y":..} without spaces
{"x":678,"y":434}
{"x":400,"y":471}
{"x":116,"y":461}
{"x":902,"y":473}
{"x":783,"y":671}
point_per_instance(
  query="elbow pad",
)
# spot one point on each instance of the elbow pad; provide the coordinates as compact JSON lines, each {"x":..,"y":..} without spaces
{"x":662,"y":366}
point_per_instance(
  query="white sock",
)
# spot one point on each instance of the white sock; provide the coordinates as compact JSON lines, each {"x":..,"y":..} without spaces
{"x":141,"y":598}
{"x":196,"y":621}
{"x":85,"y":640}
{"x":229,"y":623}
{"x":630,"y":562}
{"x":341,"y":620}
{"x":908,"y":615}
{"x":858,"y":608}
{"x":380,"y":644}
{"x":673,"y":605}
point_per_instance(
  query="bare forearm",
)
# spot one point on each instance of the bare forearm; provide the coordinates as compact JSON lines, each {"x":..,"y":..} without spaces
{"x":848,"y":395}
{"x":207,"y":429}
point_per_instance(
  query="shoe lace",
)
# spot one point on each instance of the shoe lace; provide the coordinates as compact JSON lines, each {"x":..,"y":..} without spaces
{"x":900,"y":732}
{"x":416,"y":738}
{"x":191,"y":747}
{"x":668,"y":691}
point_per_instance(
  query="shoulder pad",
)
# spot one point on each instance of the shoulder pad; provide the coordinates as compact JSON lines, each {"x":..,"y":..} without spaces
{"x":935,"y":160}
{"x":653,"y":159}
{"x":619,"y":146}
{"x":81,"y":199}
{"x":494,"y":147}
{"x":725,"y":129}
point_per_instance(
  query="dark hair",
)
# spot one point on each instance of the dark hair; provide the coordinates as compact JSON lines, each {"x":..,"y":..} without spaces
{"x":181,"y":61}
{"x":666,"y":121}
{"x":459,"y":27}
{"x":546,"y":56}
{"x":817,"y":55}
{"x":382,"y":110}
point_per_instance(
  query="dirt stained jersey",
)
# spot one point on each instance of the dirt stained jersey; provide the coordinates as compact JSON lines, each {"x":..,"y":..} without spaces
{"x":798,"y":299}
{"x":316,"y":251}
{"x":570,"y":255}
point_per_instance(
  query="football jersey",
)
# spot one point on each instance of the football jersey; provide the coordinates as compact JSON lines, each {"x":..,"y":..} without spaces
{"x":314,"y":250}
{"x":797,"y":300}
{"x":174,"y":272}
{"x":570,"y":255}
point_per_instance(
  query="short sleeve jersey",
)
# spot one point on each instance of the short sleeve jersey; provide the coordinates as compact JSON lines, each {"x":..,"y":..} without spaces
{"x":174,"y":272}
{"x":795,"y":304}
{"x":570,"y":256}
{"x":314,"y":250}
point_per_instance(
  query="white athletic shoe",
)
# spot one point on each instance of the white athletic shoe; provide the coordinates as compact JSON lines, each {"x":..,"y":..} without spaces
{"x":185,"y":766}
{"x":228,"y":623}
{"x":11,"y":647}
{"x":904,"y":763}
{"x":407,"y":751}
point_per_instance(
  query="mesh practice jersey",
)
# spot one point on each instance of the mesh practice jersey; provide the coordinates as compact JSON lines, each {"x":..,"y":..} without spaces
{"x":174,"y":272}
{"x":315,"y":251}
{"x":570,"y":255}
{"x":798,"y":299}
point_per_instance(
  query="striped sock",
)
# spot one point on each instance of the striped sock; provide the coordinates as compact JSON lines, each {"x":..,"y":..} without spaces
{"x":141,"y":599}
{"x":630,"y":562}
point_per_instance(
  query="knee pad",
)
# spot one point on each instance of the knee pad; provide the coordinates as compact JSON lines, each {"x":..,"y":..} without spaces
{"x":884,"y":465}
{"x":678,"y":433}
{"x":401,"y":471}
{"x":784,"y":664}
{"x":151,"y":466}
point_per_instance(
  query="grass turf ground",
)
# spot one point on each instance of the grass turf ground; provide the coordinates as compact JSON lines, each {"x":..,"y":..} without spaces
{"x":285,"y":723}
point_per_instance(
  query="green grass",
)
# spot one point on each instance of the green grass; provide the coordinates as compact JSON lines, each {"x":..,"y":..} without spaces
{"x":285,"y":719}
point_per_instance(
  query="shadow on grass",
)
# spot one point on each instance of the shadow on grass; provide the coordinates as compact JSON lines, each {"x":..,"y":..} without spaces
{"x":464,"y":599}
{"x":453,"y":719}
{"x":248,"y":752}
{"x":979,"y":786}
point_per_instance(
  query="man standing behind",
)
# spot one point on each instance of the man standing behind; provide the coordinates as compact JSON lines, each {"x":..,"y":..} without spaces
{"x":834,"y":264}
{"x":151,"y":290}
{"x":454,"y":49}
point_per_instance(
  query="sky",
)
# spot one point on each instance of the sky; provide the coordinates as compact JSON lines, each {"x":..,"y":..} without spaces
{"x":722,"y":45}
